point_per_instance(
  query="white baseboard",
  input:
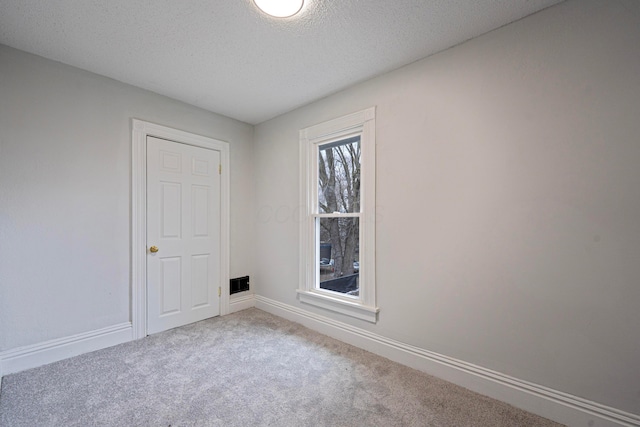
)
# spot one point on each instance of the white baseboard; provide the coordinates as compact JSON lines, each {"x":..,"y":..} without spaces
{"x":32,"y":356}
{"x":546,"y":402}
{"x":241,"y":303}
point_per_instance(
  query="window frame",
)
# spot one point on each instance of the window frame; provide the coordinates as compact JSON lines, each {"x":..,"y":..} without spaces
{"x":361,"y":124}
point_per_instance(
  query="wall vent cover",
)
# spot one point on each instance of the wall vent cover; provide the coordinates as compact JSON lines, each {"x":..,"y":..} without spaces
{"x":239,"y":284}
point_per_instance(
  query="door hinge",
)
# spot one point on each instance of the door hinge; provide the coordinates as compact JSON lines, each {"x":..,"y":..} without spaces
{"x":219,"y":291}
{"x":219,"y":169}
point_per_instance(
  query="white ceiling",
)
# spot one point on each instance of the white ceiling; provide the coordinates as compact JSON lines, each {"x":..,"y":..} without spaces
{"x":229,"y":58}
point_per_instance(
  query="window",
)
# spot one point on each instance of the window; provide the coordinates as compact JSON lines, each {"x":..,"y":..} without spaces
{"x":337,"y":227}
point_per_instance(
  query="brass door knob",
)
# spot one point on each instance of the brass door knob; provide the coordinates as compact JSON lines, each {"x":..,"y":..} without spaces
{"x":153,"y":249}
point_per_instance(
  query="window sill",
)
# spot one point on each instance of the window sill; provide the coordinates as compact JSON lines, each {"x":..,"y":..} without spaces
{"x":353,"y":309}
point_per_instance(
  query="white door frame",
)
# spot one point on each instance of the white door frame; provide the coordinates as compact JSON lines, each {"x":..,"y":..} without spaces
{"x":141,"y":130}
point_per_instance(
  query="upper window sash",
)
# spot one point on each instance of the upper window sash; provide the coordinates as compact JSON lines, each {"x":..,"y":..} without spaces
{"x":313,"y":163}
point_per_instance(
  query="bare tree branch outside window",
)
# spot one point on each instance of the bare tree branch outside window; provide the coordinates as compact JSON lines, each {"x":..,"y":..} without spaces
{"x":339,"y":192}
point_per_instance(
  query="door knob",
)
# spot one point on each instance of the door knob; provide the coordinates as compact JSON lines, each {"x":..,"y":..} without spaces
{"x":153,"y":249}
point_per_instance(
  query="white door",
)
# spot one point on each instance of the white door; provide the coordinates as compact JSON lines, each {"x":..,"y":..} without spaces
{"x":183,"y":225}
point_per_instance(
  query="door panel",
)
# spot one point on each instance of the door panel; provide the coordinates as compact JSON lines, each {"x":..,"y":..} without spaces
{"x":171,"y":210}
{"x":199,"y":274}
{"x":183,"y":221}
{"x":200,"y":210}
{"x":170,"y":284}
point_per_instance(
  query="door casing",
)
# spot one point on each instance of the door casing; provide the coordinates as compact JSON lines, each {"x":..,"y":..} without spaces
{"x":142,"y":129}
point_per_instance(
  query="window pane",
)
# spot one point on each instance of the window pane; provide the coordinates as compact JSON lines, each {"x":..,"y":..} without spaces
{"x":339,"y":176}
{"x":339,"y":251}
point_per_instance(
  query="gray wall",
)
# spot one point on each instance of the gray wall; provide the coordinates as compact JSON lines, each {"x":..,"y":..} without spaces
{"x":508,"y":195}
{"x":65,"y":178}
{"x":508,"y":198}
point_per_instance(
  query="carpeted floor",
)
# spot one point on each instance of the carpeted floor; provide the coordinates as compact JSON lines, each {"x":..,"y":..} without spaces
{"x":246,"y":369}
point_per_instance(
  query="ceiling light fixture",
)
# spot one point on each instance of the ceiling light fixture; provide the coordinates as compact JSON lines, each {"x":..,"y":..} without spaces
{"x":279,"y":8}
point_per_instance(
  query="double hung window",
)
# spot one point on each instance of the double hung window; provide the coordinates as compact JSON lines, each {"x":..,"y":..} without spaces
{"x":337,"y":231}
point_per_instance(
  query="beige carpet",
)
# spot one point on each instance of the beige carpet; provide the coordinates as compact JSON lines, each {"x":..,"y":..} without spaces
{"x":246,"y":369}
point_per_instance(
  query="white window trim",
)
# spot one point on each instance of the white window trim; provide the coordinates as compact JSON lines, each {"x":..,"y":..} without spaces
{"x":361,"y":123}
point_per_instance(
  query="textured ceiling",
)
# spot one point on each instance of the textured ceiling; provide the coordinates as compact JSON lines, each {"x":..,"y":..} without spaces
{"x":228,"y":57}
